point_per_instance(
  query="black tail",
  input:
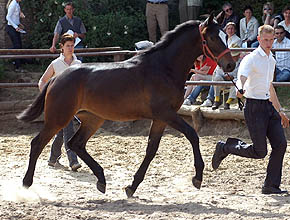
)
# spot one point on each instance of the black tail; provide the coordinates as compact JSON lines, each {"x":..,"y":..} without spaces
{"x":36,"y":108}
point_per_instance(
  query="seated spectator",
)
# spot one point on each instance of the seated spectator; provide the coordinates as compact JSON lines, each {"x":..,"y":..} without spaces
{"x":227,"y":15}
{"x":209,"y":99}
{"x":268,"y":13}
{"x":286,"y":22}
{"x":220,"y":75}
{"x":248,"y":27}
{"x":232,"y":38}
{"x":282,"y":57}
{"x":203,"y":70}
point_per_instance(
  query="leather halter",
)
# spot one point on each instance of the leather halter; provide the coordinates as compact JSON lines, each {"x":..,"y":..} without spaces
{"x":205,"y":47}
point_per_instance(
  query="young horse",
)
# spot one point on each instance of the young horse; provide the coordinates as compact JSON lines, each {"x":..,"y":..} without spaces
{"x":150,"y":85}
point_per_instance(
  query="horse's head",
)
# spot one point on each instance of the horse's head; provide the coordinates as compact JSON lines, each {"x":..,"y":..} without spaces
{"x":213,"y":39}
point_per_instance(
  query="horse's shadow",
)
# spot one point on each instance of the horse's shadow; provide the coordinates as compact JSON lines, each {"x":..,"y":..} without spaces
{"x":137,"y":205}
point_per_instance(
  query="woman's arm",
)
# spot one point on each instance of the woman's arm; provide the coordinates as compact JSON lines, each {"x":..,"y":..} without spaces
{"x":49,"y":72}
{"x":254,"y":33}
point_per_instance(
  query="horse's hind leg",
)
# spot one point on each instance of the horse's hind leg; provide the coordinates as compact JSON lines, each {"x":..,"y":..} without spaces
{"x":37,"y":145}
{"x":176,"y":122}
{"x":155,"y":135}
{"x":89,"y":125}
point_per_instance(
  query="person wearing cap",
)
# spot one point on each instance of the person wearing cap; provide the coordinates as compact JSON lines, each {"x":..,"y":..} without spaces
{"x":231,"y":37}
{"x":156,"y":12}
{"x":220,"y":75}
{"x":263,"y":114}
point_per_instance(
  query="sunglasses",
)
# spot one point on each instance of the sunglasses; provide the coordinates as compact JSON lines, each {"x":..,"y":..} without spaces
{"x":267,"y":9}
{"x":278,"y":33}
{"x":229,"y":9}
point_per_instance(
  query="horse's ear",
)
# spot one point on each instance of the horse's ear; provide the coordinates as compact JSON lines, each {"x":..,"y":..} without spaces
{"x":209,"y":20}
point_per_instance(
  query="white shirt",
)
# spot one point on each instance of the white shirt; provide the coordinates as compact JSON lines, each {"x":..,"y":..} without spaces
{"x":259,"y":70}
{"x":234,"y":40}
{"x":283,"y":57}
{"x":59,"y":65}
{"x":13,"y":14}
{"x":250,"y":30}
{"x":287,"y":28}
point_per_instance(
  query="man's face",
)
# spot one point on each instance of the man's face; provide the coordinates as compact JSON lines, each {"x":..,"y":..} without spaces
{"x":279,"y":34}
{"x":266,"y":40}
{"x":69,"y":10}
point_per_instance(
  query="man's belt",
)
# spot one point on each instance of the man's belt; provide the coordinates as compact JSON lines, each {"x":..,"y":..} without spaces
{"x":164,"y":2}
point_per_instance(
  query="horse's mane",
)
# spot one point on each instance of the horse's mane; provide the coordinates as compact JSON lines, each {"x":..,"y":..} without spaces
{"x":172,"y":35}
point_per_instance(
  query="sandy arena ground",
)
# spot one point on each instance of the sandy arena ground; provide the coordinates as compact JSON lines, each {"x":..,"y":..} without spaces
{"x":232,"y":192}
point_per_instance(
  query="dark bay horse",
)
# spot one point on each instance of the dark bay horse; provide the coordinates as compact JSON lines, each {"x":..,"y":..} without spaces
{"x":147,"y":86}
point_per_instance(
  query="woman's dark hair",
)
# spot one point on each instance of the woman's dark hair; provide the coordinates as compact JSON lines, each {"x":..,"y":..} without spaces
{"x":248,"y":7}
{"x":287,"y":7}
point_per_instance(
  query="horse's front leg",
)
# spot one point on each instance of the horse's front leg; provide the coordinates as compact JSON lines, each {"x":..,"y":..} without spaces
{"x":37,"y":145}
{"x":156,"y":131}
{"x":176,"y":122}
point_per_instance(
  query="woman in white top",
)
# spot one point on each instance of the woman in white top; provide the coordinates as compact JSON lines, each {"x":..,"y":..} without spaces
{"x":232,"y":38}
{"x":57,"y":66}
{"x":248,"y":27}
{"x":14,"y":27}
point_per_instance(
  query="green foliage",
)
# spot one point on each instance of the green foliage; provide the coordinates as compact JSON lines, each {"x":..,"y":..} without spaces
{"x":108,"y":23}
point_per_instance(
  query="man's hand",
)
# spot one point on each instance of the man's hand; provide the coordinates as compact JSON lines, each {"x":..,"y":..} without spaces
{"x":52,"y":49}
{"x":240,"y":95}
{"x":284,"y":120}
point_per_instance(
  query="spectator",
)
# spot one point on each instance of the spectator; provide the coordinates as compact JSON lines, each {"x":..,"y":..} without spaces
{"x":66,"y":23}
{"x":14,"y":27}
{"x":263,"y":114}
{"x":286,"y":22}
{"x":57,"y":66}
{"x":203,"y":70}
{"x":156,"y":12}
{"x":231,"y":37}
{"x":248,"y":27}
{"x":268,"y":13}
{"x":282,"y":57}
{"x":220,"y":75}
{"x":189,"y":9}
{"x":227,"y":15}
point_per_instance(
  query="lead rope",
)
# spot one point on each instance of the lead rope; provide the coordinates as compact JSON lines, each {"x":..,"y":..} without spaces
{"x":240,"y":102}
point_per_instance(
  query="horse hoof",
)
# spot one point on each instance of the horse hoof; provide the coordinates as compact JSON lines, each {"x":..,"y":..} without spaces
{"x":129,"y":191}
{"x":196,"y":183}
{"x":101,"y":187}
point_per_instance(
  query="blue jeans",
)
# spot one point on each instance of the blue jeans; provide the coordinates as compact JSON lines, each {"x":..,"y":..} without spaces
{"x":63,"y":135}
{"x":16,"y":41}
{"x":210,"y":95}
{"x":195,"y":93}
{"x":282,"y":75}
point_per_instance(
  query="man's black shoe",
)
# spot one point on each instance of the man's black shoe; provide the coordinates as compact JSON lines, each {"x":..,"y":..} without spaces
{"x":216,"y":105}
{"x":273,"y":190}
{"x":218,"y":155}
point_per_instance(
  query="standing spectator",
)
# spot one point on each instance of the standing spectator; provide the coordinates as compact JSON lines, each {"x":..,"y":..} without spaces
{"x":14,"y":27}
{"x":263,"y":114}
{"x":282,"y":57}
{"x":189,"y":9}
{"x":68,"y":22}
{"x":156,"y":12}
{"x":227,"y":15}
{"x":57,"y":66}
{"x":248,"y":27}
{"x":286,"y":22}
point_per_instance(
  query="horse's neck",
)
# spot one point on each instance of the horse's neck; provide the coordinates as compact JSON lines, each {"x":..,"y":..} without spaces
{"x":182,"y":53}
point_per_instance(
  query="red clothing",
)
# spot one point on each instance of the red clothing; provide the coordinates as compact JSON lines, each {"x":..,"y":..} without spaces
{"x":209,"y":62}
